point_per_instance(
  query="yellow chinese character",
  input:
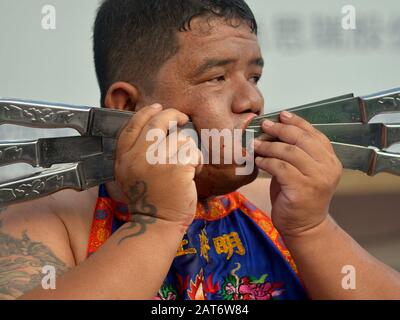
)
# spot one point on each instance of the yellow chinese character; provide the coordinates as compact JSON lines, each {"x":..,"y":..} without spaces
{"x":204,"y":246}
{"x":183,"y":252}
{"x":227,"y":243}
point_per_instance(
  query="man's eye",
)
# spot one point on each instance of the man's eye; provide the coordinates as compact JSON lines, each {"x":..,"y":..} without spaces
{"x":255,"y":79}
{"x":217,"y":79}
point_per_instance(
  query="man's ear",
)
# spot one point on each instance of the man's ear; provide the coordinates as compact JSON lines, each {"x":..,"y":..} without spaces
{"x":122,"y":96}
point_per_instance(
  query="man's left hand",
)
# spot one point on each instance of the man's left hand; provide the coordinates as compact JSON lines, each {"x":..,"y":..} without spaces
{"x":305,"y":170}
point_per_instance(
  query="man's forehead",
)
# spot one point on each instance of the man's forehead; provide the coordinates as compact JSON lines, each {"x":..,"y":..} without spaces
{"x":205,"y":30}
{"x":217,"y":38}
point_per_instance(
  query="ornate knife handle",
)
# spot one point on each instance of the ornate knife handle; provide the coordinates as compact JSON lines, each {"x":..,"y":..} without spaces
{"x":19,"y":152}
{"x":40,"y":185}
{"x":39,"y":115}
{"x":79,"y":176}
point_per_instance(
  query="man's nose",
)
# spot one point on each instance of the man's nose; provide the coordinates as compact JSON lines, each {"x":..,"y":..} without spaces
{"x":247,"y":99}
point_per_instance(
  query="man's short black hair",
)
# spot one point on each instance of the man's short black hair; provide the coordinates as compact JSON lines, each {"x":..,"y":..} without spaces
{"x":134,"y":38}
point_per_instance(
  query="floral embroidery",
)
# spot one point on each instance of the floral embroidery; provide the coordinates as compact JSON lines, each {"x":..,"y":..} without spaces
{"x":167,"y":292}
{"x":201,"y":287}
{"x":250,"y":288}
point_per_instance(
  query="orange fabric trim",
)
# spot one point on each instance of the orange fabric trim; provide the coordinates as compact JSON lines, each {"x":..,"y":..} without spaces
{"x":265,"y":223}
{"x":101,"y":228}
{"x":215,"y":208}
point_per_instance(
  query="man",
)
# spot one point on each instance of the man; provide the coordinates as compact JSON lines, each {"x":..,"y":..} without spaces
{"x":171,"y":61}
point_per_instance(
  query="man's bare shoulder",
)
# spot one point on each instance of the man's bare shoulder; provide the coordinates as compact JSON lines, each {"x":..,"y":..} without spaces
{"x":75,"y":210}
{"x":32,"y":237}
{"x":35,"y":218}
{"x":67,"y":212}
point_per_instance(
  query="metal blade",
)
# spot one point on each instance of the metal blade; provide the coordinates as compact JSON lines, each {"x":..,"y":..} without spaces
{"x":336,"y":111}
{"x":348,"y":110}
{"x":378,"y":135}
{"x":385,"y":102}
{"x":368,"y":160}
{"x":355,"y":157}
{"x":109,"y":123}
{"x":387,"y":162}
{"x":349,"y":133}
{"x":96,"y":170}
{"x":68,"y":150}
{"x":394,"y":148}
{"x":369,"y":135}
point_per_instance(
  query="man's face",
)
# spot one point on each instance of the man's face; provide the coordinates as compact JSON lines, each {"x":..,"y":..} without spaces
{"x":213,"y":79}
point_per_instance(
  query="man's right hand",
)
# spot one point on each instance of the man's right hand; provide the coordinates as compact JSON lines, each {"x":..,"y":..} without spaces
{"x":164,"y":191}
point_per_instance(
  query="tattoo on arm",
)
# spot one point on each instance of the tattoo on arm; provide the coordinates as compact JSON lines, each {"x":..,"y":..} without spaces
{"x":143,"y":213}
{"x":21,"y":263}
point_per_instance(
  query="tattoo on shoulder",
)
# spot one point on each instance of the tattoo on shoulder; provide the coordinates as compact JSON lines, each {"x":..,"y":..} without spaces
{"x":143,"y":213}
{"x":21,"y":264}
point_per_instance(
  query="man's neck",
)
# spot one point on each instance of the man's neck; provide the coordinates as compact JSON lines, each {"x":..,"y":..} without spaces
{"x":115,"y":192}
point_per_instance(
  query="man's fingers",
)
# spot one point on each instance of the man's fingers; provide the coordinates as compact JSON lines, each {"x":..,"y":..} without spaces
{"x":293,"y":135}
{"x":182,"y":152}
{"x":160,"y":124}
{"x":294,"y":120}
{"x":175,"y":150}
{"x":286,"y":152}
{"x":132,"y":130}
{"x":284,"y":172}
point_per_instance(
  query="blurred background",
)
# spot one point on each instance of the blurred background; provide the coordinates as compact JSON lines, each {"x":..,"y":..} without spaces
{"x":309,"y":57}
